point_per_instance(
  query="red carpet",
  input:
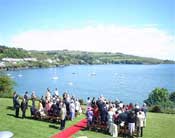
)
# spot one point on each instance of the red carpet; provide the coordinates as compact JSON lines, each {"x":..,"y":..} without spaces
{"x":67,"y":133}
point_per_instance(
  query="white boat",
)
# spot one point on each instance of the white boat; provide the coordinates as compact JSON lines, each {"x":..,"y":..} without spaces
{"x":20,"y":75}
{"x":70,"y":83}
{"x":93,"y":74}
{"x":55,"y":78}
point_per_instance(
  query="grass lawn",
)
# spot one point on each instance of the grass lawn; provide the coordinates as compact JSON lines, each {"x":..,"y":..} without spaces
{"x":158,"y":125}
{"x":27,"y":128}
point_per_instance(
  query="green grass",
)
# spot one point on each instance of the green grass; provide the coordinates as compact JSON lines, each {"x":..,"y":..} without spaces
{"x":26,"y":128}
{"x":158,"y":125}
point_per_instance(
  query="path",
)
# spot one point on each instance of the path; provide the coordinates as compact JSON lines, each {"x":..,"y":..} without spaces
{"x":68,"y":132}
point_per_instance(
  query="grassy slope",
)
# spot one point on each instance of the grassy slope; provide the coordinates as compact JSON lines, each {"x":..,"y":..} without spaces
{"x":158,"y":125}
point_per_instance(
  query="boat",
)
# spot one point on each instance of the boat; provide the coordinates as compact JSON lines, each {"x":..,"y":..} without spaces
{"x":55,"y":78}
{"x":20,"y":75}
{"x":70,"y":83}
{"x":93,"y":74}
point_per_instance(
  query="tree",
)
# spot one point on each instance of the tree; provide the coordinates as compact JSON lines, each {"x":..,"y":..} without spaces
{"x":6,"y":85}
{"x":159,"y":96}
{"x":172,"y":97}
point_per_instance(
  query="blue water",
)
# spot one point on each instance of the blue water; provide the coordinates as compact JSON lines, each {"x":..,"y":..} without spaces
{"x":129,"y":83}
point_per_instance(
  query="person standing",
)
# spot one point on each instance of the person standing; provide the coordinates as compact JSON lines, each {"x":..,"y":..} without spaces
{"x":26,"y":97}
{"x":48,"y":94}
{"x":33,"y":98}
{"x":77,"y":107}
{"x":131,"y":123}
{"x":72,"y":109}
{"x":17,"y":106}
{"x":110,"y":116}
{"x":144,"y":109}
{"x":23,"y":107}
{"x":140,"y":123}
{"x":88,"y":102}
{"x":14,"y":97}
{"x":89,"y":115}
{"x":63,"y":116}
{"x":56,"y":93}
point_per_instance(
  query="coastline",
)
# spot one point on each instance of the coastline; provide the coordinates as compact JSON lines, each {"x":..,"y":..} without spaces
{"x":64,"y":65}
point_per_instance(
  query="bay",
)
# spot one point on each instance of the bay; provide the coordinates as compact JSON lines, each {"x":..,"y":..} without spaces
{"x":128,"y":83}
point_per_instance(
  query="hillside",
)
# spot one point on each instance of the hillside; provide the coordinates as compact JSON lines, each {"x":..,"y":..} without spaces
{"x":17,"y":57}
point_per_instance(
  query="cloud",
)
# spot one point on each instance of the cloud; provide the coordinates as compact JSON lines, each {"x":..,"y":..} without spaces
{"x":148,"y":41}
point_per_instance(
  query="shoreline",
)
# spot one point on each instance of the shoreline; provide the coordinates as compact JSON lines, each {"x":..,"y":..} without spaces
{"x":65,"y":65}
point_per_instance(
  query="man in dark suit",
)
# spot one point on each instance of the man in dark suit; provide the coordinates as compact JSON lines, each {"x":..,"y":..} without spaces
{"x":17,"y":106}
{"x":23,"y":107}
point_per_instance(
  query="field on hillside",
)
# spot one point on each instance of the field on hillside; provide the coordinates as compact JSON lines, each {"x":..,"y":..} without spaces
{"x":158,"y":125}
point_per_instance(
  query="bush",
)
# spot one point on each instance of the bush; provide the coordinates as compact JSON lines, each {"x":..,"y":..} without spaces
{"x":6,"y":86}
{"x":159,"y":96}
{"x":169,"y":111}
{"x":81,"y":101}
{"x":172,"y":97}
{"x":156,"y":109}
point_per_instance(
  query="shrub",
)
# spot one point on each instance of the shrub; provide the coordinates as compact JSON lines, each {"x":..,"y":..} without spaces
{"x":81,"y":101}
{"x":159,"y":96}
{"x":156,"y":109}
{"x":169,"y":111}
{"x":6,"y":85}
{"x":172,"y":97}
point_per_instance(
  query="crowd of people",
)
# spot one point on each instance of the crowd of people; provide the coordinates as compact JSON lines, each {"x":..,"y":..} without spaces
{"x":64,"y":107}
{"x":116,"y":117}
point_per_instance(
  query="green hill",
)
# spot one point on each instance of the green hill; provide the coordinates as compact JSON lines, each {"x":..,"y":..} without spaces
{"x":66,"y":57}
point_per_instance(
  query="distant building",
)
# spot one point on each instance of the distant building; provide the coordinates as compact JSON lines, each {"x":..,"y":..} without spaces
{"x":12,"y":59}
{"x":2,"y":64}
{"x":49,"y":60}
{"x":30,"y":59}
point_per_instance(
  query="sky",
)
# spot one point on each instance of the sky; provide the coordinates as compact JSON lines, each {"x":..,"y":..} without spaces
{"x":138,"y":27}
